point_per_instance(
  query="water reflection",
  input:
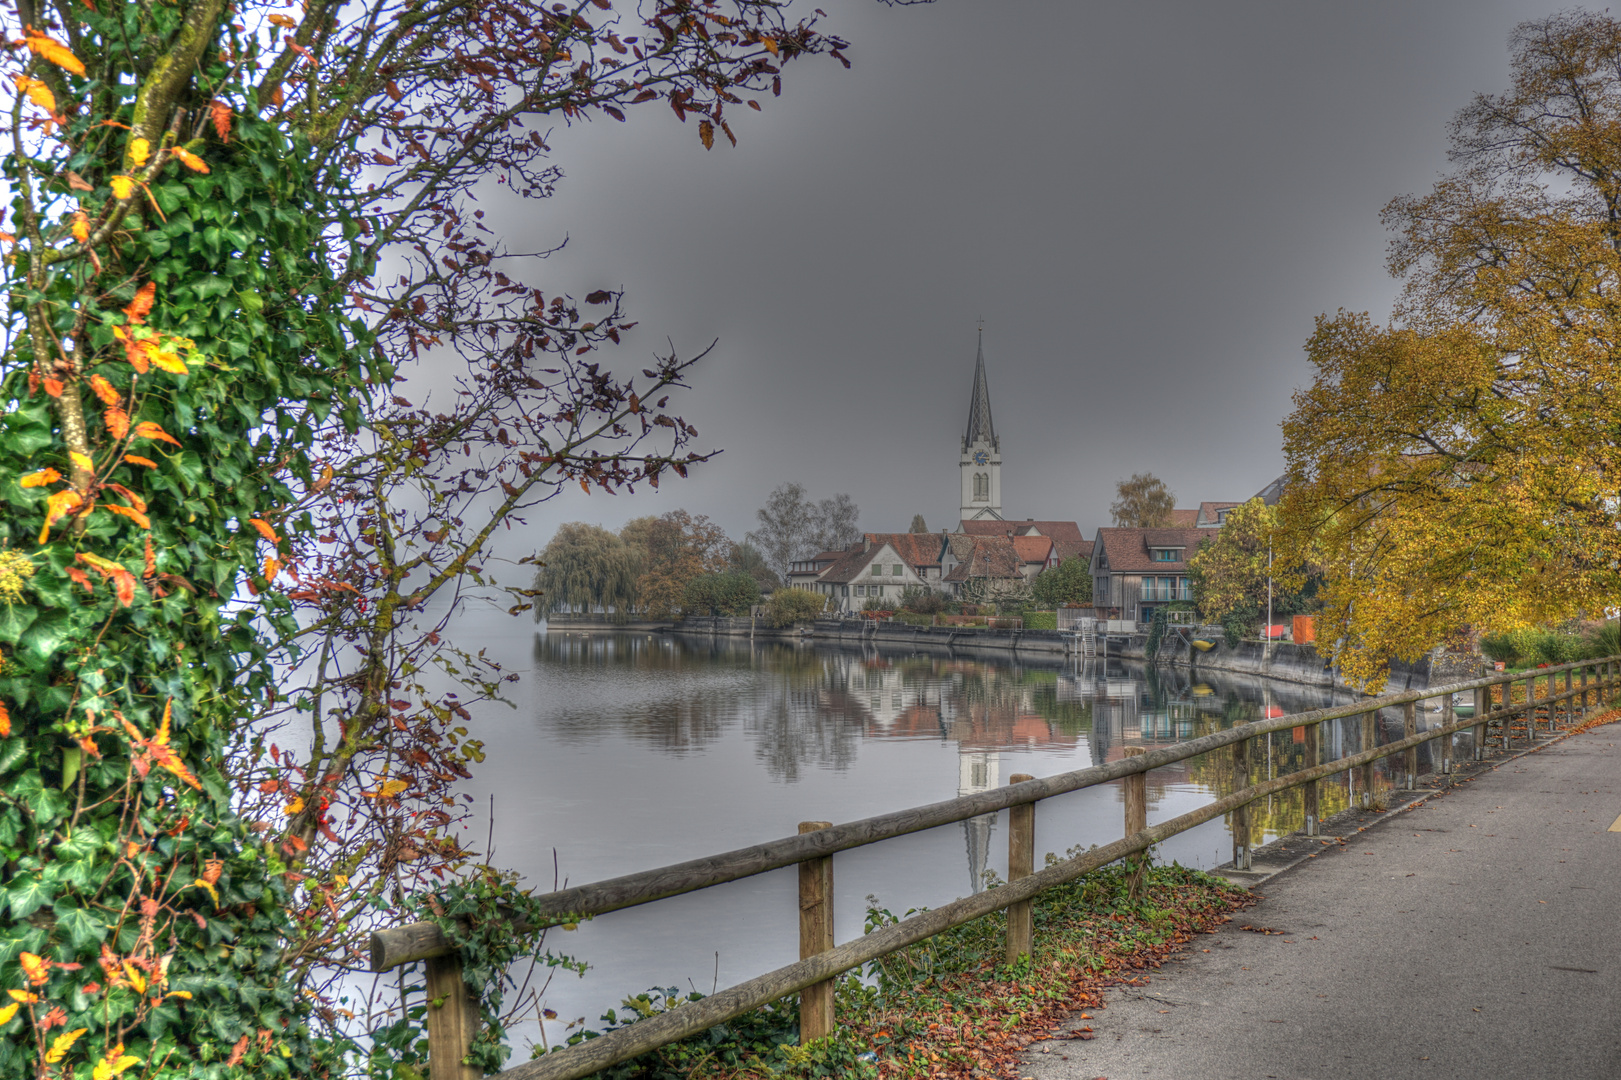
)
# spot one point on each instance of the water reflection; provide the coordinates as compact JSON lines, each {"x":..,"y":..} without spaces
{"x":807,"y":709}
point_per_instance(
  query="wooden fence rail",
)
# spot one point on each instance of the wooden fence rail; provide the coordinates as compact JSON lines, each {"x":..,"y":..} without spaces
{"x":814,"y":847}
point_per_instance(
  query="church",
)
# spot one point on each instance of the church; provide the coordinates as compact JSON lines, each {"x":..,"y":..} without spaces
{"x":980,"y":463}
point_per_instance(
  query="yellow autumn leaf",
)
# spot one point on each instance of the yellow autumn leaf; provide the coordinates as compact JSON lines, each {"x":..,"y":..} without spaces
{"x":294,"y":805}
{"x":40,"y":478}
{"x":56,"y":53}
{"x":136,"y":979}
{"x":168,"y":361}
{"x":81,"y":226}
{"x":185,"y":995}
{"x":114,"y":1063}
{"x":391,"y":788}
{"x":139,"y":151}
{"x":207,"y":887}
{"x":7,"y":1013}
{"x":123,"y":187}
{"x":63,"y":1043}
{"x":36,"y":967}
{"x":23,"y":996}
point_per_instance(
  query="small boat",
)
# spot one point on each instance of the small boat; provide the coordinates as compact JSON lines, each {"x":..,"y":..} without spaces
{"x":1202,"y":645}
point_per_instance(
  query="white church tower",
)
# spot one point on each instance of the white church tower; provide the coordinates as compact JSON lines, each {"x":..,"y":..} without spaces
{"x":980,"y":463}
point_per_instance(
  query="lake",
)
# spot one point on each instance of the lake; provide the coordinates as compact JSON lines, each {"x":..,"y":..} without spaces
{"x":629,"y":751}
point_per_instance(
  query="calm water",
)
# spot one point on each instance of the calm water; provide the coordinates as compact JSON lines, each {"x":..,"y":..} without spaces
{"x":631,"y":751}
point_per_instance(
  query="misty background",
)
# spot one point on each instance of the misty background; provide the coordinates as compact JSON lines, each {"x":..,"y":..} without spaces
{"x":1148,"y":204}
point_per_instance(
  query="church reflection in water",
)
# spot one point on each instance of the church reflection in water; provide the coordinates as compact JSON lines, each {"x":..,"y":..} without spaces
{"x":806,"y":707}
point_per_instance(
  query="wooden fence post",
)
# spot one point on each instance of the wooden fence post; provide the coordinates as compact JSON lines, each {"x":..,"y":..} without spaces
{"x":1021,"y":862}
{"x":453,"y":1018}
{"x":1409,"y":725}
{"x":1311,"y":794}
{"x":1137,"y":814}
{"x":1584,"y":689}
{"x":815,"y":936}
{"x":1570,"y":704}
{"x":1483,"y":700}
{"x":1447,"y":719}
{"x":1370,"y":739}
{"x":1241,"y":814}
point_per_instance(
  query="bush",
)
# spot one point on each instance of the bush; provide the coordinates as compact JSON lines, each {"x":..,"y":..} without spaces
{"x":923,"y":601}
{"x":730,"y":593}
{"x":1529,"y":646}
{"x":1603,"y":641}
{"x":1041,"y":620}
{"x":788,"y":606}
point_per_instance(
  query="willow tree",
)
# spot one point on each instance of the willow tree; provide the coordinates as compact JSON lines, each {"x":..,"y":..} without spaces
{"x":1458,"y":466}
{"x":223,"y":515}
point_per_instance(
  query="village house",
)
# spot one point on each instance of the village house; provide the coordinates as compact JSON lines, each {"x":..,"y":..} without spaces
{"x":1068,"y":541}
{"x":1009,"y":561}
{"x":1135,"y":571}
{"x":879,"y":566}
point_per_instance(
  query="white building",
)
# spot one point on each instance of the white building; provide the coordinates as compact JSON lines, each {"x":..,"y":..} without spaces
{"x":980,"y":461}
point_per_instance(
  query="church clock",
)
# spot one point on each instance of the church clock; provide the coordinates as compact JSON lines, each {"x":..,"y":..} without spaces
{"x":980,"y":458}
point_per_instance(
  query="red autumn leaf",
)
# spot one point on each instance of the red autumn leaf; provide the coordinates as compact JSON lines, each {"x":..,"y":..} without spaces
{"x":81,"y":577}
{"x":264,"y":530}
{"x":117,"y":421}
{"x":141,"y":306}
{"x":104,"y":390}
{"x":53,"y":386}
{"x":130,"y":512}
{"x":220,"y":113}
{"x":5,"y":721}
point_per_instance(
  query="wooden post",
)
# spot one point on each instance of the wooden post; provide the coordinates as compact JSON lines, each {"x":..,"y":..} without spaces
{"x":1137,"y":814}
{"x":815,"y":936}
{"x":1447,"y":719}
{"x":1409,"y":726}
{"x":1310,"y":793}
{"x":1370,"y":739}
{"x":1241,"y":814}
{"x":1021,"y":862}
{"x":1585,"y":702}
{"x":452,"y":1020}
{"x":1483,"y":700}
{"x":1570,"y":705}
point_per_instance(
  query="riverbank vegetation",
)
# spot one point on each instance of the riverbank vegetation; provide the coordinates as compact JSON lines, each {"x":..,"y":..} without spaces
{"x":952,"y":1007}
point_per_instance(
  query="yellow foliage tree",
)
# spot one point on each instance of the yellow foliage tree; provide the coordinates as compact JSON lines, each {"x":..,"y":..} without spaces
{"x":1458,"y":466}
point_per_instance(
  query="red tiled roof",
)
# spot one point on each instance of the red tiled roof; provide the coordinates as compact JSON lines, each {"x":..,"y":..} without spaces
{"x":1060,"y":531}
{"x":1209,"y":512}
{"x":1033,"y":549}
{"x":1005,"y":561}
{"x":1126,"y":550}
{"x":1184,"y":519}
{"x":917,"y":549}
{"x":1073,"y":549}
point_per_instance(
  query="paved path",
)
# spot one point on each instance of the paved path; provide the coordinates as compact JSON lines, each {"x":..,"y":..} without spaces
{"x":1478,"y":935}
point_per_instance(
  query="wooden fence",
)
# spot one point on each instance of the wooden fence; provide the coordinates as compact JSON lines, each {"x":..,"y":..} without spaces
{"x":452,"y":1020}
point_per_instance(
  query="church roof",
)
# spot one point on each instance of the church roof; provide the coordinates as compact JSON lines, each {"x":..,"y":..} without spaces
{"x":980,"y":428}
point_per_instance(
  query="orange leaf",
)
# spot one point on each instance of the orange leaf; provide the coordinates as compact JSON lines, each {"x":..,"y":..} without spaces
{"x":104,"y":390}
{"x":265,"y":530}
{"x":151,"y":567}
{"x":282,"y":21}
{"x":37,"y":968}
{"x":272,"y":568}
{"x":41,"y":478}
{"x":220,"y":112}
{"x":135,"y":353}
{"x":123,"y":186}
{"x":56,"y":506}
{"x":37,"y":92}
{"x":81,"y":226}
{"x":136,"y":459}
{"x":141,"y":306}
{"x":117,"y":422}
{"x":129,"y":512}
{"x":139,"y":151}
{"x":5,"y":721}
{"x":81,"y":577}
{"x":53,"y":386}
{"x":190,"y":160}
{"x":123,"y":581}
{"x":56,"y":53}
{"x":706,"y":134}
{"x":129,"y":496}
{"x":146,"y":429}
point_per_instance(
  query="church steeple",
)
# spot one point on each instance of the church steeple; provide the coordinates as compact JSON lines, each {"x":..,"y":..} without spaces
{"x":979,"y":464}
{"x":980,"y":429}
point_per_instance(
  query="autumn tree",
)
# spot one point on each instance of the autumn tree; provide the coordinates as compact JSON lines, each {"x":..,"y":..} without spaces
{"x":748,"y":558}
{"x":918,"y":524}
{"x":1237,"y":573}
{"x":224,"y":516}
{"x":729,"y":592}
{"x":1457,"y":466}
{"x":673,"y":549}
{"x":1142,"y":502}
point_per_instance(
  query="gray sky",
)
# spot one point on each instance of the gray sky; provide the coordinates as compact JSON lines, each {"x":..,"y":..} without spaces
{"x":1148,"y":204}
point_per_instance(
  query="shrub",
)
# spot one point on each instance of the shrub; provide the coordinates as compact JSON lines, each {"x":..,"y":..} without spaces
{"x":1041,"y":620}
{"x":789,"y":606}
{"x":1603,"y":641}
{"x":923,"y":601}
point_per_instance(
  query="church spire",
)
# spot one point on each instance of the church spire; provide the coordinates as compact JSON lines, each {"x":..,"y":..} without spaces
{"x":980,"y":428}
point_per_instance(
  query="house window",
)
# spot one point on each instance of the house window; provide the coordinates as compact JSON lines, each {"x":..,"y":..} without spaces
{"x":861,"y":590}
{"x":876,"y":590}
{"x":1165,"y":554}
{"x":877,"y":569}
{"x":895,"y":570}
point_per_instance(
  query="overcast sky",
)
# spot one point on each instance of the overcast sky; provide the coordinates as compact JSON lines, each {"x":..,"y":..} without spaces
{"x":1147,"y":203}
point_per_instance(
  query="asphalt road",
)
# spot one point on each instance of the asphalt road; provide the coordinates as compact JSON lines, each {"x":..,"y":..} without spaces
{"x":1478,"y":935}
